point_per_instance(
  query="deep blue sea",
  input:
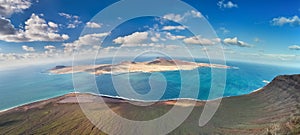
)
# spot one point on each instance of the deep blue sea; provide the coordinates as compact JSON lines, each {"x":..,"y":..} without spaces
{"x":29,"y":84}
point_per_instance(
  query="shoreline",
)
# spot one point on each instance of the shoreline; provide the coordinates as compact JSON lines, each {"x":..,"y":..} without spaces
{"x":270,"y":110}
{"x":126,"y":99}
{"x":156,"y":65}
{"x":35,"y":101}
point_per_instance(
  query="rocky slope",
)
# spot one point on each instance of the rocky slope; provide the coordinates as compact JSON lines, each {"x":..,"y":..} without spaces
{"x":275,"y":109}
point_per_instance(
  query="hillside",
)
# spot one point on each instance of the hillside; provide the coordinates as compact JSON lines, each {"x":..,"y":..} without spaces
{"x":273,"y":109}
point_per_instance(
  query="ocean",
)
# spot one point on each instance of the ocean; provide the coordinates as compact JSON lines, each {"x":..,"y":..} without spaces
{"x":29,"y":84}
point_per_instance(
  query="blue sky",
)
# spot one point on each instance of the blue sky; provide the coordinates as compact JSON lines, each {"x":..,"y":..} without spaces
{"x":256,"y":31}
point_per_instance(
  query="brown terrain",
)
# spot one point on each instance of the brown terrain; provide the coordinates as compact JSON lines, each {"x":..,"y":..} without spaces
{"x":157,"y":65}
{"x":275,"y":109}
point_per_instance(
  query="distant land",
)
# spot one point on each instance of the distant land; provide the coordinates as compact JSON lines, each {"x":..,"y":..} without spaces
{"x":157,"y":65}
{"x":274,"y":109}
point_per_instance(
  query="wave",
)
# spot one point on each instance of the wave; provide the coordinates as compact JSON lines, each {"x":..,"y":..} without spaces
{"x":265,"y":81}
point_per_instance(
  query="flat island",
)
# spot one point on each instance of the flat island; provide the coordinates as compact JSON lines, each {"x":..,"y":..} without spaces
{"x":156,"y":65}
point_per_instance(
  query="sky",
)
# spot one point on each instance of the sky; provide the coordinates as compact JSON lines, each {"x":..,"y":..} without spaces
{"x":40,"y":31}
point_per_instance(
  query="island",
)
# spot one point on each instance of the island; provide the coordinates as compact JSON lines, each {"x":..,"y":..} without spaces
{"x":274,"y":109}
{"x":156,"y":65}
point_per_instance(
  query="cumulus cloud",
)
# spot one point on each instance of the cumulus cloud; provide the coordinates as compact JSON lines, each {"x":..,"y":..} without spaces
{"x":49,"y":47}
{"x":174,"y":37}
{"x":229,"y":4}
{"x":156,"y":37}
{"x":181,"y":17}
{"x":173,"y":47}
{"x":53,"y":25}
{"x":196,"y":14}
{"x":92,"y":39}
{"x":294,"y":47}
{"x":280,"y":21}
{"x":36,"y":29}
{"x":93,"y":25}
{"x":199,"y":40}
{"x":9,"y":56}
{"x":28,"y":49}
{"x":8,"y":7}
{"x":236,"y":42}
{"x":134,"y":38}
{"x":173,"y":17}
{"x":6,"y":28}
{"x":73,"y":20}
{"x":174,"y":27}
{"x":86,"y":40}
{"x":68,"y":16}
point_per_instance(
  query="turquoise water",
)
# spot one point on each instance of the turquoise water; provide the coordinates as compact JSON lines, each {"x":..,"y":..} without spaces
{"x":29,"y":84}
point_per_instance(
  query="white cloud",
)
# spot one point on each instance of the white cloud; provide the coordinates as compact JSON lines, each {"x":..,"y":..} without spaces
{"x":173,"y":47}
{"x":71,"y":26}
{"x":68,"y":16}
{"x":199,"y":40}
{"x":93,"y":25}
{"x":49,"y":47}
{"x":86,"y":40}
{"x":28,"y":49}
{"x":229,"y":4}
{"x":180,"y":18}
{"x":89,"y":39}
{"x":36,"y":29}
{"x":173,"y":17}
{"x":156,"y":37}
{"x":134,"y":38}
{"x":8,"y":7}
{"x":9,"y":56}
{"x":294,"y":47}
{"x":17,"y":60}
{"x":174,"y":37}
{"x":236,"y":42}
{"x":73,"y":20}
{"x":280,"y":21}
{"x":174,"y":27}
{"x":53,"y":25}
{"x":196,"y":14}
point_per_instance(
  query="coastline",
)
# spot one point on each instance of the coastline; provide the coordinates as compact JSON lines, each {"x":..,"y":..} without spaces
{"x":35,"y":101}
{"x":126,"y":99}
{"x":156,"y":65}
{"x":259,"y":112}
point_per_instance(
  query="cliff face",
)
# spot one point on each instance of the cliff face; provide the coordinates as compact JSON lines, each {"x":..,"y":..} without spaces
{"x":273,"y":109}
{"x":282,"y":100}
